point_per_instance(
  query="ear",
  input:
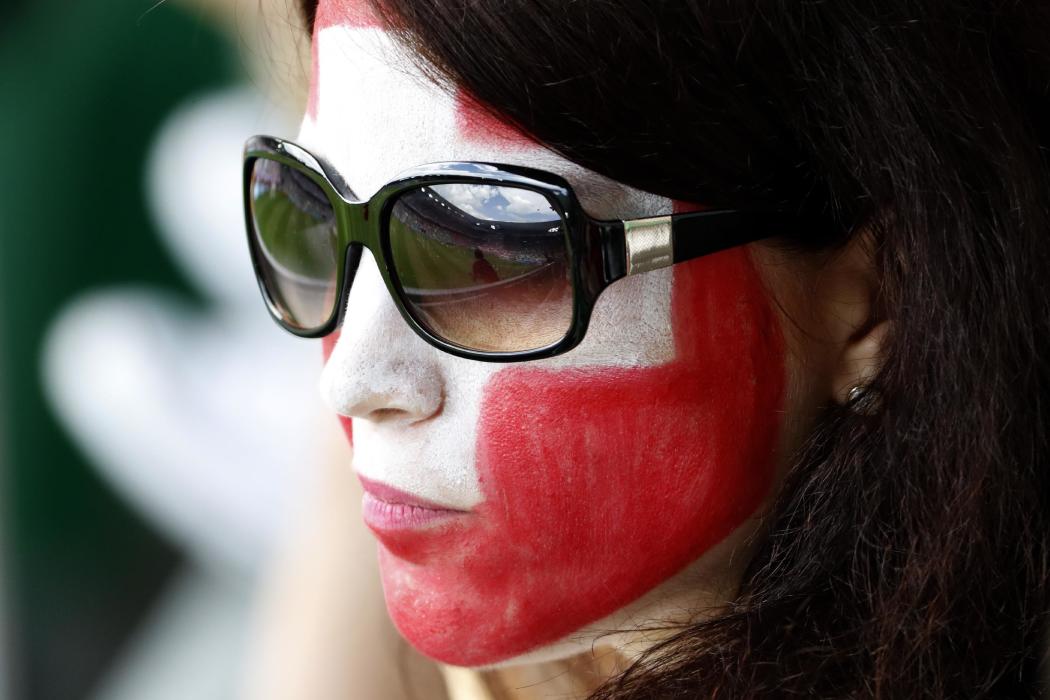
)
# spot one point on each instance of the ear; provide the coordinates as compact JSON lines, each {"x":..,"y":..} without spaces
{"x":860,"y":361}
{"x":852,"y":318}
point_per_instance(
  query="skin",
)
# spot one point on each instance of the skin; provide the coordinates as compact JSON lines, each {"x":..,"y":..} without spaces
{"x":615,"y":487}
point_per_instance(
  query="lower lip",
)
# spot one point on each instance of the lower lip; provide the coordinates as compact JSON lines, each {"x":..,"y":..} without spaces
{"x":384,"y":516}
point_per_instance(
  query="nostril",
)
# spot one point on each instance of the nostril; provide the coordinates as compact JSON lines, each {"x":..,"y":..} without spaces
{"x":396,"y":410}
{"x":378,"y":399}
{"x":384,"y":415}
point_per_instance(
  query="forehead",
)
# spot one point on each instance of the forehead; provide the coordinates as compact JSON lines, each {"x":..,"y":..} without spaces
{"x":373,"y":114}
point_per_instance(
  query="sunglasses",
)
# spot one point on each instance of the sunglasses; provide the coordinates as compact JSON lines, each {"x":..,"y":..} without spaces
{"x":487,"y":262}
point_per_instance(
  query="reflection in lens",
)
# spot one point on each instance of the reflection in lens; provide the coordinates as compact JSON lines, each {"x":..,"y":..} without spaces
{"x":483,"y":266}
{"x":297,"y":243}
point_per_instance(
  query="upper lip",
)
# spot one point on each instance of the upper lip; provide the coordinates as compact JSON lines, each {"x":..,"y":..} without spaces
{"x":389,"y":494}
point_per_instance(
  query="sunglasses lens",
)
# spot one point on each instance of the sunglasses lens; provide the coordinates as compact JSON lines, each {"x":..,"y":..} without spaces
{"x":484,"y":267}
{"x":296,"y":244}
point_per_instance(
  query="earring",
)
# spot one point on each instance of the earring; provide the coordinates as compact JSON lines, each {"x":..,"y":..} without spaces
{"x":864,"y":400}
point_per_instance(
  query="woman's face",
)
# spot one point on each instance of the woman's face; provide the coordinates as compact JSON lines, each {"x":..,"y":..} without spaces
{"x":522,"y":510}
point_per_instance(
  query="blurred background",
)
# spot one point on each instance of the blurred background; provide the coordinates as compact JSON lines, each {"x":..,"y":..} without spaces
{"x":155,"y":431}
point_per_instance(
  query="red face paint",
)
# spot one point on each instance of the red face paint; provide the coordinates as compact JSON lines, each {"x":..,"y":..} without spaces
{"x":601,"y":483}
{"x":345,"y":13}
{"x":315,"y":80}
{"x":327,"y":348}
{"x":475,"y":124}
{"x":598,"y":483}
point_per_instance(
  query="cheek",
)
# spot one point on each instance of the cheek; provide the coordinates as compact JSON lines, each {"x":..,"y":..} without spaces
{"x":327,"y":348}
{"x":601,"y":483}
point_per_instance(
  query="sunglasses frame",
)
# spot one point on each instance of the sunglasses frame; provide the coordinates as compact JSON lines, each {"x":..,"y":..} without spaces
{"x":599,"y":252}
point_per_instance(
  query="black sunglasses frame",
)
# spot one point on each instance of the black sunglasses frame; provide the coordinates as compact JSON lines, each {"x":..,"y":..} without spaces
{"x":599,"y":252}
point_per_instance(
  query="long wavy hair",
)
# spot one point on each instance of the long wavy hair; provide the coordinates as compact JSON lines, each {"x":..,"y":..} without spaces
{"x":907,"y":554}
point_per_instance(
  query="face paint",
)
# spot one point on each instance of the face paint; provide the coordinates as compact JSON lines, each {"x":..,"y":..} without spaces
{"x":330,"y":13}
{"x":328,"y":344}
{"x":477,"y":125}
{"x":518,"y":504}
{"x":601,"y":483}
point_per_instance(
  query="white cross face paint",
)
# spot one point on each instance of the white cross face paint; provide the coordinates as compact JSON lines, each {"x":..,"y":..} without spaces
{"x":371,"y":141}
{"x":518,"y":504}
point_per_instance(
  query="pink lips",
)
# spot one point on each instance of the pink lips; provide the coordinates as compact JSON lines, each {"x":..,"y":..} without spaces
{"x":389,"y":510}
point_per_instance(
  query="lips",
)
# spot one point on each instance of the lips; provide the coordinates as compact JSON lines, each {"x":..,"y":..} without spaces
{"x":394,"y":515}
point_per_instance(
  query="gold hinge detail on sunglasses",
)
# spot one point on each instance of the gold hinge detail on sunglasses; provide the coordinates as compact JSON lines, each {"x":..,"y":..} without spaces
{"x":649,"y":244}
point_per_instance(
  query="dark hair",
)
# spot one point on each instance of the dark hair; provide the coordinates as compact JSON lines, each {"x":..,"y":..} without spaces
{"x":907,"y":554}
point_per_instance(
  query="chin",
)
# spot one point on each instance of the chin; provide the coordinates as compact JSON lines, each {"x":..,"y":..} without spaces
{"x":697,"y":592}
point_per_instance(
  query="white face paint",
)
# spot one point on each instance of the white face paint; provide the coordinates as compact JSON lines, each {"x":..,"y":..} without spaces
{"x":594,"y":480}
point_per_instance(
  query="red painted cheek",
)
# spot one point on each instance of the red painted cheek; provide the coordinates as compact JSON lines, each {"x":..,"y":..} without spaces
{"x":328,"y":345}
{"x":327,"y":348}
{"x":600,"y":483}
{"x":330,"y":13}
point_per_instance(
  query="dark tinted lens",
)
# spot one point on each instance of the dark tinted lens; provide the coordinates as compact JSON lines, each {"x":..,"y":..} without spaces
{"x":485,"y":267}
{"x":296,"y":243}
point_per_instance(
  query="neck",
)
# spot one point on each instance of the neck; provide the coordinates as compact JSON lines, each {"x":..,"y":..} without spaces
{"x":575,"y":677}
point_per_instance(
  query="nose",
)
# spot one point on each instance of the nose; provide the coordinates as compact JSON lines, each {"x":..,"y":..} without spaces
{"x":380,"y":370}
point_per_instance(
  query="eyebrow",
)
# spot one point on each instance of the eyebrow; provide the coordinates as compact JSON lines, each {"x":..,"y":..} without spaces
{"x":308,"y":8}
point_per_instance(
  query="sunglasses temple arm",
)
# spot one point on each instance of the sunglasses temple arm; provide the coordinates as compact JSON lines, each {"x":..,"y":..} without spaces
{"x":635,"y":246}
{"x":612,"y":244}
{"x":702,"y":233}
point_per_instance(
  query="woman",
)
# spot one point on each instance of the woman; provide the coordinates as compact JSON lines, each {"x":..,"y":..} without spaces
{"x":805,"y":452}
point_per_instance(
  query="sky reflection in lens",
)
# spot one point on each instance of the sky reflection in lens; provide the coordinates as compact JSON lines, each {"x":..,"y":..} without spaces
{"x":496,"y":203}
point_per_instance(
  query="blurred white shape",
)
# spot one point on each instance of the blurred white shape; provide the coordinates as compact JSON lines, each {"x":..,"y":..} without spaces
{"x":208,"y":420}
{"x":194,"y":189}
